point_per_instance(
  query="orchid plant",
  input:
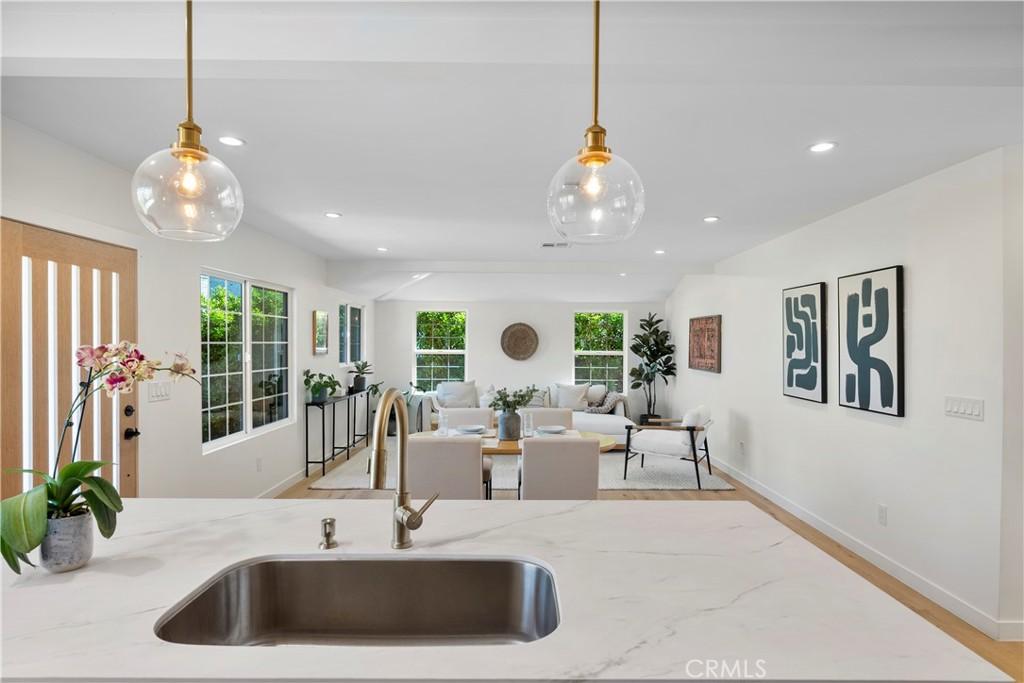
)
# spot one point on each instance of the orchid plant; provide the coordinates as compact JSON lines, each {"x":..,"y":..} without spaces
{"x":74,"y":489}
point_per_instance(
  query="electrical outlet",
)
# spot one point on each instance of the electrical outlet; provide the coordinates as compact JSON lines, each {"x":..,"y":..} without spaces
{"x":743,"y":447}
{"x":259,"y":464}
{"x":965,"y":408}
{"x":883,"y":514}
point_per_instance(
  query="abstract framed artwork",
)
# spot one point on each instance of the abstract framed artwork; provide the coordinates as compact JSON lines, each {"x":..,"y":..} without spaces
{"x":805,"y":358}
{"x":706,"y":343}
{"x":320,"y":322}
{"x":871,"y":341}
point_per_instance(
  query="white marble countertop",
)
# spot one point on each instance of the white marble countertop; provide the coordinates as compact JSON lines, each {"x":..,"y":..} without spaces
{"x":647,"y":590}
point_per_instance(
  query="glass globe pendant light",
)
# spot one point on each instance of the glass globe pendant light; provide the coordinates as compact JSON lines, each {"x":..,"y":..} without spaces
{"x":595,"y":197}
{"x":184,"y":192}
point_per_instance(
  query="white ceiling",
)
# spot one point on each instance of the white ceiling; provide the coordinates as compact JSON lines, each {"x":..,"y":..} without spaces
{"x":435,"y":127}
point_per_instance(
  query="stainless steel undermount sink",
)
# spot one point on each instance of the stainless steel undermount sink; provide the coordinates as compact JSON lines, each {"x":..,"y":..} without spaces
{"x":362,"y":600}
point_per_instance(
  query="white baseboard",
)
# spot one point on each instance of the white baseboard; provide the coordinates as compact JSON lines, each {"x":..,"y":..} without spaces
{"x":283,"y":485}
{"x":1006,"y":630}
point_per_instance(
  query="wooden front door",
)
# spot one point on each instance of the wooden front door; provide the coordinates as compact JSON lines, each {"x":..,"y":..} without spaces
{"x":61,"y":291}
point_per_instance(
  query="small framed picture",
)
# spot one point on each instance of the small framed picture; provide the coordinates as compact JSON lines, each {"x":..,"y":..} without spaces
{"x":805,"y":358}
{"x":320,"y":326}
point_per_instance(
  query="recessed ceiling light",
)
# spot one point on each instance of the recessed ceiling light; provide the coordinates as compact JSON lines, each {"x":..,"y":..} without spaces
{"x":231,"y":141}
{"x":419,"y":276}
{"x":710,"y":219}
{"x":332,"y":214}
{"x":823,"y":146}
{"x":622,"y":275}
{"x":382,"y":248}
{"x":659,"y":252}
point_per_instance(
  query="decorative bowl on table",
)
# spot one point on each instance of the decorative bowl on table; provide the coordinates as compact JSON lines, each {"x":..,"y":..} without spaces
{"x":471,"y":429}
{"x":550,"y":429}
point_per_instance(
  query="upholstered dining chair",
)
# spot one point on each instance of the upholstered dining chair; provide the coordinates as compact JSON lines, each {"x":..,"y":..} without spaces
{"x":559,"y":468}
{"x":460,"y":417}
{"x":549,"y":416}
{"x":450,"y":466}
{"x":684,"y":438}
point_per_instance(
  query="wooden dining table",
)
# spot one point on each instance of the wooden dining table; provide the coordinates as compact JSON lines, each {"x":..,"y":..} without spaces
{"x":492,"y":445}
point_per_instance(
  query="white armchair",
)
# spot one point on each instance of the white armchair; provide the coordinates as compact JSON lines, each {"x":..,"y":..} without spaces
{"x":685,"y":439}
{"x":559,"y":468}
{"x":452,"y":467}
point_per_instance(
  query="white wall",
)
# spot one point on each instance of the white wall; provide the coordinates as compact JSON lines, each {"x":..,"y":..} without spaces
{"x":485,"y":361}
{"x":940,"y":477}
{"x":51,"y":184}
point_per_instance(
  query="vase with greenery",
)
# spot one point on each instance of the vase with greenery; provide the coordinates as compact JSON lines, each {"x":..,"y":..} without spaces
{"x":509,"y":421}
{"x":56,"y":516}
{"x":360,"y":369}
{"x":653,"y":346}
{"x":320,"y":385}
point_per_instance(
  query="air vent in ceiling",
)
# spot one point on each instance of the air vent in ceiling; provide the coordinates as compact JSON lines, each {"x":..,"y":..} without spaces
{"x":554,"y":245}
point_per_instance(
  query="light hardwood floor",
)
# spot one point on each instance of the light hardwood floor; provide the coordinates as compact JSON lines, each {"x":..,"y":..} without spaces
{"x":1008,"y":657}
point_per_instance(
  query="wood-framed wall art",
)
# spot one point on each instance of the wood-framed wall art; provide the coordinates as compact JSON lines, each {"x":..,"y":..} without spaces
{"x":321,"y":321}
{"x":705,"y":352}
{"x":871,"y":341}
{"x":805,"y":343}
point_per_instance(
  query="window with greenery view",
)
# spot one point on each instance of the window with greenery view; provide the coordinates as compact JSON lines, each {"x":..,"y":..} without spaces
{"x":355,"y":333}
{"x":269,"y":312}
{"x":599,"y":349}
{"x":221,"y":363}
{"x":343,"y":334}
{"x":440,"y":348}
{"x":233,"y":323}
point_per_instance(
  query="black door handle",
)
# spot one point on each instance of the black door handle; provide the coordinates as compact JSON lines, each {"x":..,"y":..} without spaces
{"x":130,"y":433}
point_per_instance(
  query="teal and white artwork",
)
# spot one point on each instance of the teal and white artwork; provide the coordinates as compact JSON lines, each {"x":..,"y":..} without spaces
{"x":804,"y":362}
{"x":871,"y":341}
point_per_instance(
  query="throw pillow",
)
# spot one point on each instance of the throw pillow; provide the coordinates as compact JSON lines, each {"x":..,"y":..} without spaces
{"x":457,"y":395}
{"x":611,"y":399}
{"x":487,"y":397}
{"x":572,"y":396}
{"x":596,"y":394}
{"x":539,"y":400}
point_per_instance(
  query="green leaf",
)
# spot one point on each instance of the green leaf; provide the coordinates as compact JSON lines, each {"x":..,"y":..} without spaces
{"x":105,"y":491}
{"x":106,"y":519}
{"x":79,"y":469}
{"x":23,"y":522}
{"x":10,"y":557}
{"x":44,"y":475}
{"x":64,"y":492}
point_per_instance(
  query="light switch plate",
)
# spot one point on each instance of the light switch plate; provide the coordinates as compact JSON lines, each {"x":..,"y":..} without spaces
{"x":158,"y":391}
{"x":965,"y":408}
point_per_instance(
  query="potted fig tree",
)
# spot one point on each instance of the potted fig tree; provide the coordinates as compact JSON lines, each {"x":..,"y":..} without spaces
{"x":56,"y":515}
{"x":653,"y":346}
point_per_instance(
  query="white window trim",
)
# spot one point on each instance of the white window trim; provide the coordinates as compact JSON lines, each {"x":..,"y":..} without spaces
{"x":463,"y":352}
{"x":249,"y":432}
{"x":625,"y":346}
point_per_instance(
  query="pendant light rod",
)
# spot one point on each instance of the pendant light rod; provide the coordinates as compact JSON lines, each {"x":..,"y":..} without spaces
{"x":597,"y":52}
{"x":188,"y":60}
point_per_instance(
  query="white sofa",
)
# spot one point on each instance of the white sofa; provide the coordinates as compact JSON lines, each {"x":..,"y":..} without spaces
{"x":470,"y":395}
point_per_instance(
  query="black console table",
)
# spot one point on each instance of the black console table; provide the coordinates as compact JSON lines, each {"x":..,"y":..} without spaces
{"x":352,"y":435}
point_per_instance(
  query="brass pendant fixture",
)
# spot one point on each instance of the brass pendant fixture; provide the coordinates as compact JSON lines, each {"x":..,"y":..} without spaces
{"x":595,"y":197}
{"x":184,"y":192}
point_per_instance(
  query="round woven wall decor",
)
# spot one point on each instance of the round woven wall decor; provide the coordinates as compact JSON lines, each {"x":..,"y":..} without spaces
{"x":519,"y":341}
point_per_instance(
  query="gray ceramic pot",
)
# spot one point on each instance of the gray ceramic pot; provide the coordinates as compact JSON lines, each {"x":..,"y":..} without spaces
{"x":67,"y":544}
{"x":509,"y":426}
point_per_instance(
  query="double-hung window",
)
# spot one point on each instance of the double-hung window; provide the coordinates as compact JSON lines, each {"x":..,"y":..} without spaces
{"x":350,"y":333}
{"x":599,"y":355}
{"x":245,"y":358}
{"x":440,"y":348}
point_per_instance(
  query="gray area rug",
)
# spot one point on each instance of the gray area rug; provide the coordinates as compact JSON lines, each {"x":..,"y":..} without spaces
{"x":659,"y":473}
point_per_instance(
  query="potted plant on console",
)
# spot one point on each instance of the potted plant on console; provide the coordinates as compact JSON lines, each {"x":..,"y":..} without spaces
{"x":657,"y":360}
{"x":320,"y":385}
{"x":360,"y":369}
{"x":509,"y":421}
{"x":56,"y":516}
